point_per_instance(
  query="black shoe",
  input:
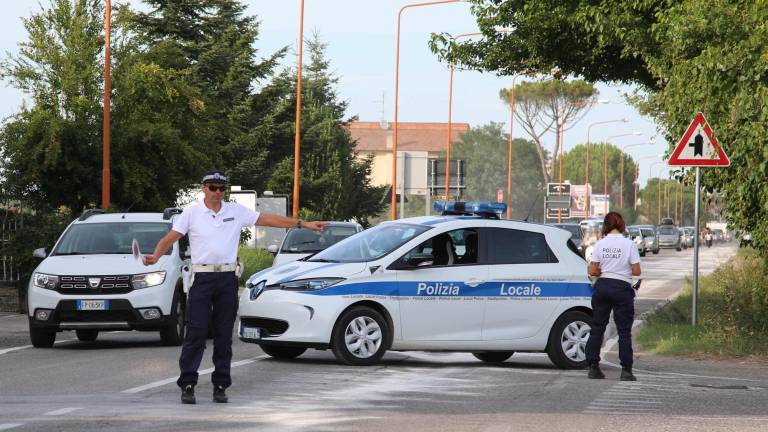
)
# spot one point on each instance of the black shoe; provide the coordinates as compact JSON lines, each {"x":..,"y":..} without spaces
{"x":595,"y":372}
{"x":220,"y":394}
{"x":626,"y":375}
{"x":188,"y":394}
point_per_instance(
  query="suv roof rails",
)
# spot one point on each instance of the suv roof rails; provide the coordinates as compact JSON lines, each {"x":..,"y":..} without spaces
{"x":484,"y":209}
{"x":90,"y":212}
{"x":170,"y":211}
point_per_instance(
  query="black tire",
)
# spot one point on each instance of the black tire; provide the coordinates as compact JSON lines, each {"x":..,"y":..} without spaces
{"x":283,"y":352}
{"x":555,"y":345}
{"x":642,"y":254}
{"x":173,"y":334}
{"x":679,"y":249}
{"x":338,"y":337}
{"x":493,"y":356}
{"x":656,"y":252}
{"x":87,"y":335}
{"x":42,"y":338}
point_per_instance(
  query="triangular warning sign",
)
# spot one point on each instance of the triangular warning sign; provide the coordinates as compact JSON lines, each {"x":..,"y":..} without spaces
{"x":698,"y":147}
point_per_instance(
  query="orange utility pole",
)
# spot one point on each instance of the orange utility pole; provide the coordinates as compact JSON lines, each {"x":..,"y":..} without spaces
{"x":297,"y":137}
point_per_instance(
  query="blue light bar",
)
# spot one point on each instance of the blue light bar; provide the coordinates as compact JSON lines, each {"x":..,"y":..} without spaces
{"x":469,"y":207}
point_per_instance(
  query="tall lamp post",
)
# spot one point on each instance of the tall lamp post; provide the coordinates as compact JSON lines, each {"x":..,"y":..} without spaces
{"x":605,"y":159}
{"x":660,"y":157}
{"x":397,"y":79}
{"x":621,"y":171}
{"x":105,"y":125}
{"x":586,"y":163}
{"x":297,"y":136}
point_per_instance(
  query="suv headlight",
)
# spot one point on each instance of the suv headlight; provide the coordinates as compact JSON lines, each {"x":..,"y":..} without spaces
{"x":256,"y":290}
{"x":42,"y":280}
{"x":310,"y":284}
{"x":147,"y":280}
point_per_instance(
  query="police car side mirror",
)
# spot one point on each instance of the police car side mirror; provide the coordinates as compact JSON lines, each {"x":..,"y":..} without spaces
{"x":39,"y":253}
{"x":272,"y":249}
{"x":416,"y":260}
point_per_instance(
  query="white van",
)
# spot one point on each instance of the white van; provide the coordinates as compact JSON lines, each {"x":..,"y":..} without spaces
{"x":91,"y":282}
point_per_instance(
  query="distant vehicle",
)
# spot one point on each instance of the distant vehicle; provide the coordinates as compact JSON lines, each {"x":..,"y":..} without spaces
{"x":636,"y":235}
{"x":592,"y":230}
{"x":718,"y":235}
{"x":301,"y":242}
{"x":650,"y":238}
{"x":688,"y":234}
{"x":577,"y":235}
{"x":667,"y":221}
{"x":669,"y":237}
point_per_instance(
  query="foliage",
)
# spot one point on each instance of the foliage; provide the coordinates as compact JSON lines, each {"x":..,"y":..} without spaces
{"x":685,"y":56}
{"x":254,"y":261}
{"x":732,"y":313}
{"x":541,"y":106}
{"x":485,"y":150}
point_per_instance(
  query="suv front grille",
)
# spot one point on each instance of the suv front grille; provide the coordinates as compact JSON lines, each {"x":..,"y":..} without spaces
{"x":110,"y":284}
{"x":272,"y":327}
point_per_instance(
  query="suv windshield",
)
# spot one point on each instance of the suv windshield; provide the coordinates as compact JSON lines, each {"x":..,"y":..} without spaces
{"x":647,"y":232}
{"x":370,"y":244}
{"x":668,"y":231}
{"x":305,"y":241}
{"x":111,"y":238}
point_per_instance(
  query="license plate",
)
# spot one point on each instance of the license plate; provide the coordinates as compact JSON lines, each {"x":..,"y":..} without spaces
{"x":250,"y":332}
{"x":93,"y":305}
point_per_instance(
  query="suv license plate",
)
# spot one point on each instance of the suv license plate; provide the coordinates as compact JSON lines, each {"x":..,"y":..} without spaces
{"x":93,"y":305}
{"x":250,"y":333}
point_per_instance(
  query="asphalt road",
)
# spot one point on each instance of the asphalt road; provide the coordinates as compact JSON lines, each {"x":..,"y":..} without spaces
{"x":126,"y":382}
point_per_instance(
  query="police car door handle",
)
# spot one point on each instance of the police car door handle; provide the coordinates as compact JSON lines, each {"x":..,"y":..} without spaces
{"x":473,"y":282}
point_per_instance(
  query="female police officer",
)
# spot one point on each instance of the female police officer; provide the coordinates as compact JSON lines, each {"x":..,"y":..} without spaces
{"x":614,"y":261}
{"x":214,"y":229}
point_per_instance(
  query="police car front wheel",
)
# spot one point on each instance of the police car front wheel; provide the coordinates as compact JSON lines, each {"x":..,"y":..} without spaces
{"x":568,"y":340}
{"x":493,"y":356}
{"x":360,"y":337}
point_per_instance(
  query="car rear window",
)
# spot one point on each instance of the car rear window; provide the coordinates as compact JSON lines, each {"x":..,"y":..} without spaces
{"x":511,"y":246}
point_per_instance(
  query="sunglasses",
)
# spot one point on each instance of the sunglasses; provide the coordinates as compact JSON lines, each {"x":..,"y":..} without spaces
{"x":213,"y":188}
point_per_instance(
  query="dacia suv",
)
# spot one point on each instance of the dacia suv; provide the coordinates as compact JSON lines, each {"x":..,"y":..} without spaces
{"x":91,"y":281}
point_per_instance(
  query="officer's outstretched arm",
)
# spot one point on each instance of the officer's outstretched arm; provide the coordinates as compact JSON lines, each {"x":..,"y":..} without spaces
{"x":162,"y":246}
{"x":277,"y":221}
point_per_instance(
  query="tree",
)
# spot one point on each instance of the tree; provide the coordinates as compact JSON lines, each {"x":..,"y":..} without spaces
{"x":542,"y":105}
{"x":484,"y":148}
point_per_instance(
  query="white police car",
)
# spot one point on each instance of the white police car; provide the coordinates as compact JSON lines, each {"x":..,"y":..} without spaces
{"x":91,"y":282}
{"x":441,"y":283}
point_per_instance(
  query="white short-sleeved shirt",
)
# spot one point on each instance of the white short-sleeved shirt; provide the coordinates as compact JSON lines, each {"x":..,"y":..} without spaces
{"x":616,"y":254}
{"x":213,"y":237}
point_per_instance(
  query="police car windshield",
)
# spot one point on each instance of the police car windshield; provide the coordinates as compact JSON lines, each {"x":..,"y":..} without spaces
{"x":111,"y":238}
{"x":304,"y":241}
{"x":371,"y":244}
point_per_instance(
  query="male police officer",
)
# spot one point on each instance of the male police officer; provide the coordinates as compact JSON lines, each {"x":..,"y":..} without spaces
{"x":214,"y":229}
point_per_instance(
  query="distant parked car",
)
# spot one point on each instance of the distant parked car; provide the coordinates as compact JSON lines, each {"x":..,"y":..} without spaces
{"x":577,"y":235}
{"x":688,"y":234}
{"x":650,"y":237}
{"x":301,"y":242}
{"x":718,"y":235}
{"x":637,"y":236}
{"x":669,"y":237}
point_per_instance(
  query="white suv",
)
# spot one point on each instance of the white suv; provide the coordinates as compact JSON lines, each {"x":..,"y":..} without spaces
{"x":91,"y":281}
{"x":436,"y":283}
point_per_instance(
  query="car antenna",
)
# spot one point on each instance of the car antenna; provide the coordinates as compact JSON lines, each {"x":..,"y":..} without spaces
{"x":531,"y":209}
{"x":130,"y":206}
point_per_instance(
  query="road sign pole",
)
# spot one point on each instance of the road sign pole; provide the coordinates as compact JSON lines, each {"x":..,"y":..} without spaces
{"x":696,"y":247}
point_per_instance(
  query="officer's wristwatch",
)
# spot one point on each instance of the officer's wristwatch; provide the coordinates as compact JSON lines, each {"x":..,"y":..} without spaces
{"x":298,"y":223}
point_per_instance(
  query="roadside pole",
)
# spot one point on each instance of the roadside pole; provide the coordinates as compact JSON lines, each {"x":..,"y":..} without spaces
{"x":696,"y":247}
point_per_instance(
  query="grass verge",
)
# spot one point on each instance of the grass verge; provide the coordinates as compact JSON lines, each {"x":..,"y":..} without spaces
{"x":255,"y":260}
{"x":732,"y":314}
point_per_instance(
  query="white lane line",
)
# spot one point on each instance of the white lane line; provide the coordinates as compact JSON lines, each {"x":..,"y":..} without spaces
{"x":6,"y":426}
{"x":200,"y":373}
{"x":16,"y":348}
{"x":62,"y":411}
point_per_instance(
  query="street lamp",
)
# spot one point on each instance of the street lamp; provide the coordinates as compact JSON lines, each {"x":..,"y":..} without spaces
{"x":586,"y":165}
{"x":621,"y":175}
{"x":605,"y":159}
{"x":637,"y":172}
{"x":297,"y":136}
{"x":105,"y":122}
{"x":397,"y":79}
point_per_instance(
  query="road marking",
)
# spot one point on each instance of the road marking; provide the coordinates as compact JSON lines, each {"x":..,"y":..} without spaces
{"x":16,"y":348}
{"x":200,"y":373}
{"x":62,"y":411}
{"x":6,"y":426}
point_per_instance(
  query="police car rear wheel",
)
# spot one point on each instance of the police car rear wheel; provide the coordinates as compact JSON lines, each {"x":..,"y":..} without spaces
{"x":568,"y":340}
{"x":493,"y":356}
{"x":359,"y":338}
{"x":87,"y":335}
{"x":283,"y":352}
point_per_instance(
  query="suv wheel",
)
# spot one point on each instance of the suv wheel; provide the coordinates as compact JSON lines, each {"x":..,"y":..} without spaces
{"x":283,"y":352}
{"x":493,"y":356}
{"x":173,"y":334}
{"x":568,"y":340}
{"x":42,"y":338}
{"x":87,"y":335}
{"x":360,"y":337}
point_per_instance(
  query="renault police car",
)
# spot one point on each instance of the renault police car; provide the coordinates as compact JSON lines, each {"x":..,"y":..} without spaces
{"x":464,"y":281}
{"x":91,"y":282}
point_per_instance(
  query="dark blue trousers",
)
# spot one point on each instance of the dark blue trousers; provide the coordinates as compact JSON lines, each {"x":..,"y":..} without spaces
{"x":211,"y":293}
{"x":616,"y":295}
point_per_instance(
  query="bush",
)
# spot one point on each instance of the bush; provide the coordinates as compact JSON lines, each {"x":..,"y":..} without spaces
{"x":254,"y":260}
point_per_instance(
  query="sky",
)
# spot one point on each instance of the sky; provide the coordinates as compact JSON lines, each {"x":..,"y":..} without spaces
{"x":361,"y":38}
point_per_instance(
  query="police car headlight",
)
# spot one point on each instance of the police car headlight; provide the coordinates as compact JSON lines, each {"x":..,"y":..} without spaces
{"x":310,"y":284}
{"x":146,"y":280}
{"x":256,"y":290}
{"x":42,"y":280}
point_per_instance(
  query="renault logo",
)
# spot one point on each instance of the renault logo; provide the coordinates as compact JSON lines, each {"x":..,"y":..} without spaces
{"x":94,"y":282}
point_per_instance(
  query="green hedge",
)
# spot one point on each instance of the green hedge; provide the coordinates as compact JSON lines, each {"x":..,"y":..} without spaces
{"x":255,"y":260}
